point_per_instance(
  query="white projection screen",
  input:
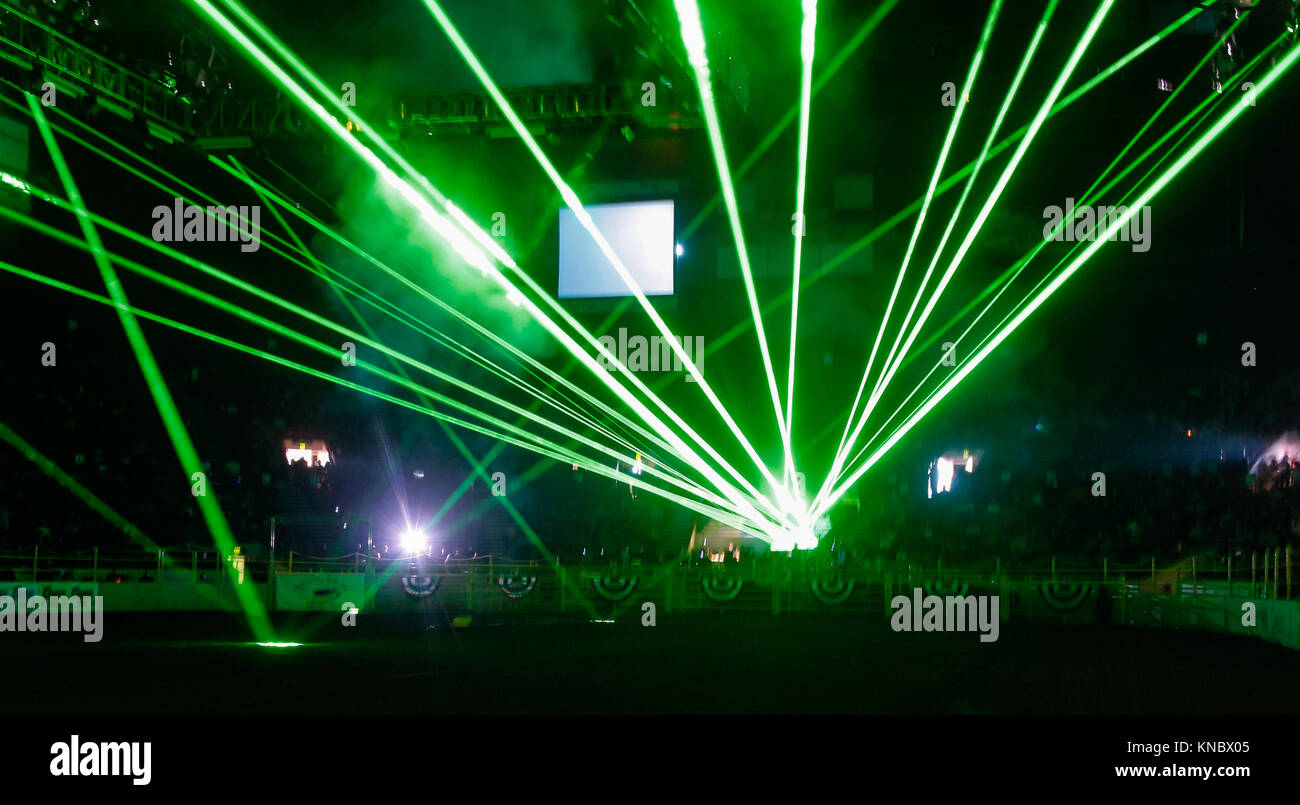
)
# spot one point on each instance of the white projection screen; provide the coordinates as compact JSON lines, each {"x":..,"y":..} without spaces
{"x":641,"y":234}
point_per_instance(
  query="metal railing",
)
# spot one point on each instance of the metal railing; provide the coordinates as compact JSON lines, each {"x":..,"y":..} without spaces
{"x":1194,"y":594}
{"x":1267,"y":574}
{"x":29,"y":43}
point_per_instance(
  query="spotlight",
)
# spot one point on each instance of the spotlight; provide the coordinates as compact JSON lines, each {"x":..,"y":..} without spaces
{"x":804,"y":538}
{"x":414,"y":541}
{"x":797,"y":538}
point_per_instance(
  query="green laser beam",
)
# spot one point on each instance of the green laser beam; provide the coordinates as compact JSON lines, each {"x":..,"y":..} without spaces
{"x":371,"y":298}
{"x":498,"y":446}
{"x":261,"y":188}
{"x":275,"y":327}
{"x":445,"y":229}
{"x":688,"y":14}
{"x":174,"y":192}
{"x":950,"y":182}
{"x":888,"y":225}
{"x":1240,"y":106}
{"x":90,"y":499}
{"x":318,"y":268}
{"x":552,"y":452}
{"x":1200,"y":112}
{"x":572,"y":201}
{"x":1010,"y":274}
{"x":807,"y":51}
{"x":841,"y":451}
{"x":67,"y":481}
{"x":476,"y":467}
{"x":172,"y":422}
{"x":968,"y":84}
{"x":1089,"y":85}
{"x":1040,"y":118}
{"x":837,"y":61}
{"x":441,"y":226}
